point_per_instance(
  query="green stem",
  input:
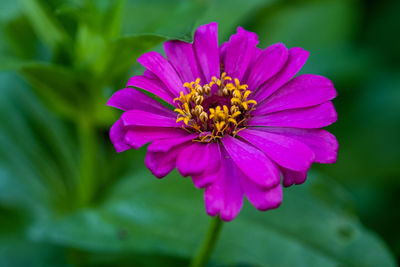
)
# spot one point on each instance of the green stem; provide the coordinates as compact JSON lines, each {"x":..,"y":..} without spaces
{"x":88,"y":160}
{"x":208,"y":245}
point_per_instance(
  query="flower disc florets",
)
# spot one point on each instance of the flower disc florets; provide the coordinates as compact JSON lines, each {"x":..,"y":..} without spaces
{"x":215,"y":109}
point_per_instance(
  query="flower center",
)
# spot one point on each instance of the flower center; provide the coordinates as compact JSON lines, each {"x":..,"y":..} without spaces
{"x":216,"y":108}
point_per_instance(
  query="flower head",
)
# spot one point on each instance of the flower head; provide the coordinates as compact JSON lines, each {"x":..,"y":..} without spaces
{"x":239,"y":119}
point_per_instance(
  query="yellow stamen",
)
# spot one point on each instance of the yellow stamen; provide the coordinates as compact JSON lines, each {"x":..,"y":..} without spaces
{"x":230,"y":86}
{"x":232,"y":120}
{"x":252,"y":102}
{"x":217,"y":120}
{"x":237,"y":94}
{"x":237,"y":113}
{"x":235,"y":101}
{"x":180,"y":111}
{"x":220,"y":125}
{"x":246,"y":94}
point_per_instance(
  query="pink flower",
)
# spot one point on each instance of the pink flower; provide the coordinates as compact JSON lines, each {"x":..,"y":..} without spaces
{"x":240,"y":119}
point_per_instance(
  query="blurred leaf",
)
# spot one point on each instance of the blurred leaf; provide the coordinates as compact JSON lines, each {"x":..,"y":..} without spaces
{"x":380,"y":25}
{"x":173,"y":19}
{"x":58,"y":87}
{"x":8,"y":63}
{"x":177,"y":19}
{"x":309,"y":24}
{"x":124,"y":52}
{"x":37,"y":151}
{"x":8,"y":9}
{"x":11,"y":193}
{"x":369,"y":131}
{"x":21,"y":253}
{"x":44,"y":23}
{"x":231,"y":14}
{"x":17,"y":251}
{"x":371,"y":124}
{"x":119,"y":57}
{"x":103,"y":17}
{"x":90,"y":49}
{"x":19,"y":44}
{"x":22,"y":40}
{"x":152,"y":216}
{"x":129,"y":259}
{"x":113,"y":18}
{"x":314,"y":26}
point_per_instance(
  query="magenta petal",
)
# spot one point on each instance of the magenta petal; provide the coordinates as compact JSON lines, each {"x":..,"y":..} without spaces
{"x":117,"y":133}
{"x":204,"y":180}
{"x":205,"y":45}
{"x":196,"y":158}
{"x":143,"y":118}
{"x":225,"y":195}
{"x":312,"y":117}
{"x":261,"y":198}
{"x":152,"y":85}
{"x":239,"y":53}
{"x":252,"y":162}
{"x":302,"y":91}
{"x":182,"y":57}
{"x":137,"y":136}
{"x":268,"y":63}
{"x":322,"y":143}
{"x":158,"y":65}
{"x":222,"y":51}
{"x":210,"y":174}
{"x":164,"y":145}
{"x":256,"y":52}
{"x":293,"y":177}
{"x":128,"y":98}
{"x":285,"y":151}
{"x":214,"y":197}
{"x":296,"y":59}
{"x":254,"y":56}
{"x":162,"y":163}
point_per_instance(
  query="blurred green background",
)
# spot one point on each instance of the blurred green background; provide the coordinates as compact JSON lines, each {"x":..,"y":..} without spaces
{"x":67,"y":199}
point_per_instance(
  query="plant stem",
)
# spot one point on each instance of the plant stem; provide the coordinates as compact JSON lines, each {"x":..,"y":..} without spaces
{"x":88,"y":160}
{"x":208,"y":245}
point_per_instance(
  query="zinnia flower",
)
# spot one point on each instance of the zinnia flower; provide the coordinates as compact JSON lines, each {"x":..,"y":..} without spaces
{"x":240,"y":119}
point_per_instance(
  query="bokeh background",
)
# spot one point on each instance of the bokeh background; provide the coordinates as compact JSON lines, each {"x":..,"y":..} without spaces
{"x":67,"y":199}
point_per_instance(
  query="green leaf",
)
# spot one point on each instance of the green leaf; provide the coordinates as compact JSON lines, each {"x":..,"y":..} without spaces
{"x":45,"y":24}
{"x":121,"y":54}
{"x":22,"y":42}
{"x":372,"y":123}
{"x":146,"y":215}
{"x":103,"y":17}
{"x":41,"y":157}
{"x":16,"y":250}
{"x":37,"y":151}
{"x":113,"y":18}
{"x":124,"y":52}
{"x":59,"y":87}
{"x":230,"y":14}
{"x":173,"y":19}
{"x":313,"y":25}
{"x":8,"y":9}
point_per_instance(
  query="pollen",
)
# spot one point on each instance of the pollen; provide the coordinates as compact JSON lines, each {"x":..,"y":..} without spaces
{"x":215,"y":109}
